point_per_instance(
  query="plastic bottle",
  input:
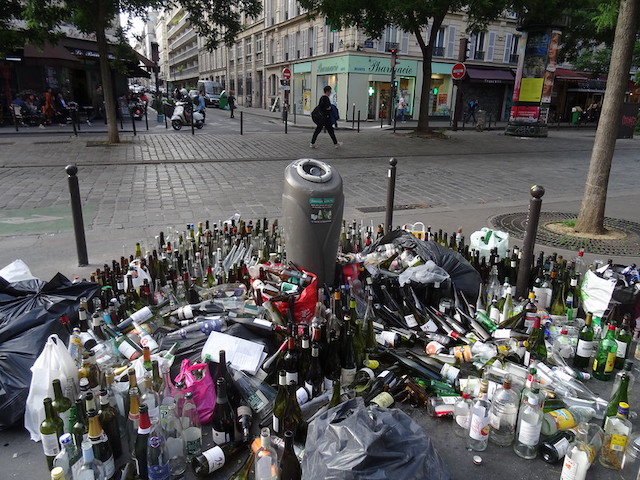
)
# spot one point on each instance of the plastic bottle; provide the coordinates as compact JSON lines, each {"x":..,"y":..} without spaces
{"x":529,"y":426}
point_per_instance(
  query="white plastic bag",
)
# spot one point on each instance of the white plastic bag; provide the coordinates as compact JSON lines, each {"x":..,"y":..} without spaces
{"x":54,"y":362}
{"x":485,"y":240}
{"x":16,"y":271}
{"x":596,"y":293}
{"x":427,"y":273}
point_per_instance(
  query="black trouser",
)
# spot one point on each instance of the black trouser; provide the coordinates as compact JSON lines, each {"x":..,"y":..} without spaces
{"x":327,"y":125}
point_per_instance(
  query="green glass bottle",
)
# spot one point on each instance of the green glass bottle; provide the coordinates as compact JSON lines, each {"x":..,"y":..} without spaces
{"x":280,"y":403}
{"x":62,"y":406}
{"x":584,"y":350}
{"x":292,"y":420}
{"x":620,"y":395}
{"x":335,"y":398}
{"x":50,"y":432}
{"x":606,"y":355}
{"x":290,"y":468}
{"x":559,"y":305}
{"x":536,"y":347}
{"x":623,"y":339}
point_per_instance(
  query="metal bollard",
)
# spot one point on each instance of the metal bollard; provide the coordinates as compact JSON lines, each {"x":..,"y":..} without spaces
{"x":381,"y":122}
{"x":133,"y":122}
{"x":358,"y":121}
{"x":353,"y":117}
{"x":166,"y":123}
{"x":146,"y":119}
{"x":121,"y":119}
{"x":391,"y":191}
{"x":285,"y":116}
{"x":76,"y":211}
{"x":193,"y":124}
{"x":241,"y":124}
{"x":533,"y":217}
{"x":395,"y":119}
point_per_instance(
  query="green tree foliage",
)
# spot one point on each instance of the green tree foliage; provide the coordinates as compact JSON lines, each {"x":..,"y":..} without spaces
{"x":38,"y":21}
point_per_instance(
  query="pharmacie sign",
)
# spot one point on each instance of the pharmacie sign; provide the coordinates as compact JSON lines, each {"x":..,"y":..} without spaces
{"x":364,"y":64}
{"x":383,"y":66}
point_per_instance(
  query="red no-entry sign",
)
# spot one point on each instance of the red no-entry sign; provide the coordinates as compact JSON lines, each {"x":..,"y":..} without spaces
{"x":286,"y":73}
{"x":458,"y":71}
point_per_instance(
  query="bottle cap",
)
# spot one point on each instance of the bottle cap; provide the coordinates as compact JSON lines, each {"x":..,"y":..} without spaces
{"x":57,"y":473}
{"x":477,"y":460}
{"x":65,"y":438}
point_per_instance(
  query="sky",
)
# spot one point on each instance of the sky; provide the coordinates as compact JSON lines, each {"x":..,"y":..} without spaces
{"x":137,"y":28}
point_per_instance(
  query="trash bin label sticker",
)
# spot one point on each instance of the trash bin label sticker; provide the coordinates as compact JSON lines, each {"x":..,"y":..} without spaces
{"x":321,"y":209}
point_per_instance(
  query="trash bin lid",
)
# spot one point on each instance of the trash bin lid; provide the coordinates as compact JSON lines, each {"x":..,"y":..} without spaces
{"x":313,"y":170}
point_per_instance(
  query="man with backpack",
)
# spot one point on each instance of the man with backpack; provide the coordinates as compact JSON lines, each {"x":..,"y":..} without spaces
{"x":321,"y":117}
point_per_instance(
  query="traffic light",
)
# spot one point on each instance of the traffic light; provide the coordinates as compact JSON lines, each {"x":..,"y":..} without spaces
{"x":395,"y":83}
{"x":435,"y":90}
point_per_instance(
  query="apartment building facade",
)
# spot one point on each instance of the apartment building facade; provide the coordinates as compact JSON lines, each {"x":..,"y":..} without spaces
{"x":357,"y":67}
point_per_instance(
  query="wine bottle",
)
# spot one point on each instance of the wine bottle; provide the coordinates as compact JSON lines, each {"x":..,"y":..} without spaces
{"x":313,"y":381}
{"x":554,"y":448}
{"x":290,"y":359}
{"x":348,"y":367}
{"x":623,"y":340}
{"x":207,"y":307}
{"x":214,"y":459}
{"x":233,"y":395}
{"x":621,"y":394}
{"x":142,"y":315}
{"x":50,"y":432}
{"x":100,"y":443}
{"x":244,"y":419}
{"x":62,"y":406}
{"x":292,"y":418}
{"x":108,"y":416}
{"x":604,"y":361}
{"x":290,"y":468}
{"x":280,"y":403}
{"x":536,"y":347}
{"x":223,"y":421}
{"x":585,"y":346}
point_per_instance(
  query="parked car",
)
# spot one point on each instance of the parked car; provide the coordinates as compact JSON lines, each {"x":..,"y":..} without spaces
{"x":212,"y":91}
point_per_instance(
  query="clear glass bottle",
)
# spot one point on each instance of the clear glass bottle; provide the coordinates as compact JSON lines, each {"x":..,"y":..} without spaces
{"x":266,"y":459}
{"x":479,"y":425}
{"x":576,"y":461}
{"x":504,"y":414}
{"x":616,"y":434}
{"x":158,"y":458}
{"x":462,"y":415}
{"x":92,"y":469}
{"x":175,"y":442}
{"x":68,"y":458}
{"x":529,"y":426}
{"x":192,"y":431}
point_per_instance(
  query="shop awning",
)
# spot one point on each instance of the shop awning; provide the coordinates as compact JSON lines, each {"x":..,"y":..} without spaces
{"x":490,"y":75}
{"x":566,"y":74}
{"x":49,"y":51}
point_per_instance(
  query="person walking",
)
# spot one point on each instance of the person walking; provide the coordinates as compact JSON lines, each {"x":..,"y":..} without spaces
{"x":202,"y":106}
{"x":231,"y":101}
{"x":402,"y":105}
{"x":323,"y":115}
{"x":474,"y":106}
{"x":48,"y":109}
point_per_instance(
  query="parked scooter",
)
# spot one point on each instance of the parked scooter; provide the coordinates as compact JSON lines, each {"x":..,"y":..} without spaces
{"x":179,"y":117}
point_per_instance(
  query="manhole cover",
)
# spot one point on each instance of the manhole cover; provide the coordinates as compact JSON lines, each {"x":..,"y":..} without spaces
{"x":516,"y":223}
{"x":380,"y":208}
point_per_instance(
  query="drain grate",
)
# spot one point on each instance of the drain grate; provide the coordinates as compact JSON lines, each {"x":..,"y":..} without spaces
{"x":516,"y":223}
{"x":51,"y":142}
{"x":380,"y":208}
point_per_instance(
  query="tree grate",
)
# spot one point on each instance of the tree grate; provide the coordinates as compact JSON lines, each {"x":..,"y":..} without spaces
{"x":516,"y":224}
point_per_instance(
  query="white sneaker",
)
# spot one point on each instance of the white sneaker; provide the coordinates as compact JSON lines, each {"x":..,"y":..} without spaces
{"x":88,"y":123}
{"x":313,"y":145}
{"x":336,"y":145}
{"x":42,"y":126}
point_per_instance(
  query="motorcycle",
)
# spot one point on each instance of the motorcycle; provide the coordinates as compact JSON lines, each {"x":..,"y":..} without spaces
{"x":179,"y":118}
{"x":137,"y":109}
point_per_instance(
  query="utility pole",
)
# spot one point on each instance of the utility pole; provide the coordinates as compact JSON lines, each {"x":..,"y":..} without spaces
{"x":457,"y":113}
{"x":393,"y":48}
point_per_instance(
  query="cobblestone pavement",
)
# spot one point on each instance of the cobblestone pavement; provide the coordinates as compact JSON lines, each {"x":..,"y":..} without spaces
{"x":164,"y":180}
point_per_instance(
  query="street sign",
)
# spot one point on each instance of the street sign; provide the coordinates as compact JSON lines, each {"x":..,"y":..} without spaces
{"x":286,"y":73}
{"x":458,"y":71}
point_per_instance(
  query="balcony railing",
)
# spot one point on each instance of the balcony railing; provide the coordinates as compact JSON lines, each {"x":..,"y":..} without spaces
{"x":438,"y":51}
{"x":478,"y":55}
{"x":513,"y":58}
{"x":181,"y":57}
{"x":189,"y":34}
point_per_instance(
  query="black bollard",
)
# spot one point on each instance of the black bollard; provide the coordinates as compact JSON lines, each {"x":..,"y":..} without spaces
{"x":381,"y":122}
{"x":353,"y":118}
{"x":121,"y":120}
{"x":133,"y":122}
{"x":241,"y":124}
{"x":358,"y":121}
{"x":193,"y":126}
{"x":76,"y":211}
{"x":166,"y":121}
{"x":533,"y":217}
{"x":391,"y":191}
{"x":285,"y":115}
{"x":146,"y":119}
{"x":395,"y":119}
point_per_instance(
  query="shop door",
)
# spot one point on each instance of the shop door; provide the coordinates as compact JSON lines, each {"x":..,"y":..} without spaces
{"x":378,"y":100}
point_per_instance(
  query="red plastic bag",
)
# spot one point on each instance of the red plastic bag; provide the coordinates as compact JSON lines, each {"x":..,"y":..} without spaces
{"x":305,"y":304}
{"x":203,"y":389}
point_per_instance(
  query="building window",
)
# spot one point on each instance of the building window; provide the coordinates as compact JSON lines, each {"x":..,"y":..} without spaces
{"x":477,"y":46}
{"x":438,"y":47}
{"x":247,"y":50}
{"x":259,"y":46}
{"x":286,"y":47}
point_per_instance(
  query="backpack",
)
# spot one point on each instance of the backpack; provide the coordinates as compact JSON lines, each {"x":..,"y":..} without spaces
{"x":317,"y":116}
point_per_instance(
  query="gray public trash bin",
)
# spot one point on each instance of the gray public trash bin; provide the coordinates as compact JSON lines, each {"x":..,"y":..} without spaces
{"x":312,"y":205}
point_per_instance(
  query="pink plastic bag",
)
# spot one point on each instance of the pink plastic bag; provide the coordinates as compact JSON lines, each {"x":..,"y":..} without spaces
{"x":203,"y":389}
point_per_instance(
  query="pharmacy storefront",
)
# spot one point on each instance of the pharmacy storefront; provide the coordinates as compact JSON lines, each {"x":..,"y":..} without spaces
{"x":360,"y":84}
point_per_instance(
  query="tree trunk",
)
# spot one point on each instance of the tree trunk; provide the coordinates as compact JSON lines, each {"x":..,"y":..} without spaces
{"x":591,"y":217}
{"x":427,"y":55}
{"x":105,"y":73}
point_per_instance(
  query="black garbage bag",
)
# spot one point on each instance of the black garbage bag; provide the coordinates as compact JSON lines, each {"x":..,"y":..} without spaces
{"x":463,"y":275}
{"x":352,"y":441}
{"x":30,"y":311}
